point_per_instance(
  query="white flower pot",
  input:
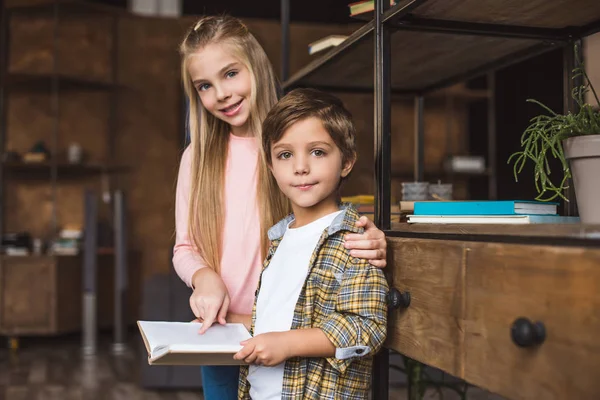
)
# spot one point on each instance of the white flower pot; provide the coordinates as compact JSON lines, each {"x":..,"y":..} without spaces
{"x":583,"y":153}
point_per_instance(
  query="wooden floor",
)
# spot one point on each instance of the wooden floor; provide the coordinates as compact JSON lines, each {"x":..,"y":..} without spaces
{"x":54,"y":369}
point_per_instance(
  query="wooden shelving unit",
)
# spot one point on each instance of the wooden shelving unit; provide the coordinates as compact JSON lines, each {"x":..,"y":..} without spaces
{"x":55,"y":82}
{"x":61,"y":279}
{"x":433,"y":44}
{"x":414,"y":49}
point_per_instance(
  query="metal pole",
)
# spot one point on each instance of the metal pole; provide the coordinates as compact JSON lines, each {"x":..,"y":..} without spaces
{"x":119,"y":345}
{"x":112,"y":124}
{"x":383,"y":121}
{"x":55,"y":128}
{"x":569,"y":104}
{"x":419,"y":167}
{"x":285,"y":39}
{"x":89,"y":273}
{"x":4,"y":54}
{"x":491,"y":120}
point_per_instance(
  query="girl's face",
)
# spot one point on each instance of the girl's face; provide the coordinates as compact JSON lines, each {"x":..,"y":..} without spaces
{"x":224,"y":85}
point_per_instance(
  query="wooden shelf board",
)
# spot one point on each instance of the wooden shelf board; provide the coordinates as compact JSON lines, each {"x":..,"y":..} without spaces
{"x":555,"y":14}
{"x":62,"y":168}
{"x":44,"y":82}
{"x":76,"y":7}
{"x":574,"y":233}
{"x":426,"y":61}
{"x":403,"y":173}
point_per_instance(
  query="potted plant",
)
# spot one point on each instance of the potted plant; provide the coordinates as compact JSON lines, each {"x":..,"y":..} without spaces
{"x":573,"y":139}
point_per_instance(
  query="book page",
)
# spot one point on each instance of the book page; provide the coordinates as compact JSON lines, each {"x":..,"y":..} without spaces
{"x":183,"y":336}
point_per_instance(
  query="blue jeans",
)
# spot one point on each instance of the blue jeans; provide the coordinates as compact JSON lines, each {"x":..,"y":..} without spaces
{"x":220,"y":382}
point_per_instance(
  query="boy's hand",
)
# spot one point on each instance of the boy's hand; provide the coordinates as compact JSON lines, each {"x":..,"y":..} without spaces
{"x":267,"y":349}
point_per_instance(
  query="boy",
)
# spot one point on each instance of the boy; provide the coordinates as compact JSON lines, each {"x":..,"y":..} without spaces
{"x":319,"y":314}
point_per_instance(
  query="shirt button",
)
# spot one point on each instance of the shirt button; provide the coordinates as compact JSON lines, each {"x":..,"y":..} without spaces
{"x":359,"y":351}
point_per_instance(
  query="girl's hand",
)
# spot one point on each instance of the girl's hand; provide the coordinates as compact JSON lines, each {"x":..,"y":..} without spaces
{"x":371,"y":245}
{"x":209,"y":301}
{"x":267,"y":349}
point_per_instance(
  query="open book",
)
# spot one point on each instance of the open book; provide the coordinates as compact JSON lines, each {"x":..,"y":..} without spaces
{"x":178,"y":343}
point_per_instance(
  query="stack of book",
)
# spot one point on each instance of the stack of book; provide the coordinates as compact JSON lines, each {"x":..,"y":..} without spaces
{"x":364,"y":9}
{"x":485,"y":212}
{"x":365,"y":205}
{"x":325,"y":43}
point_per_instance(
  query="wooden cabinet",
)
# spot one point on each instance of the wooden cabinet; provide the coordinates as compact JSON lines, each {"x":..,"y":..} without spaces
{"x":39,"y":295}
{"x":42,"y":295}
{"x":466,"y":295}
{"x":430,"y":329}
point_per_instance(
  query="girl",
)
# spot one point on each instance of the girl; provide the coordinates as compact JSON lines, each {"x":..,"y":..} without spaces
{"x":226,"y":198}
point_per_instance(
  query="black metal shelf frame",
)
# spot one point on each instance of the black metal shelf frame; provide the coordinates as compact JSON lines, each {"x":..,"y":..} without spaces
{"x":399,"y":17}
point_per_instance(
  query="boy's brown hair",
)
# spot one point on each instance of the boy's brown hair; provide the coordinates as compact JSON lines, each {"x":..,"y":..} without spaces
{"x":300,"y":104}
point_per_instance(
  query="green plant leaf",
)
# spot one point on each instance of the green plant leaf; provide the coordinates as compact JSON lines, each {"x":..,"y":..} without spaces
{"x":543,"y":138}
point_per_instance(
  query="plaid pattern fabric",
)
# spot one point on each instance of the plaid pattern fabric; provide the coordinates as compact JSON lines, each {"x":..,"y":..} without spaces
{"x":346,"y":298}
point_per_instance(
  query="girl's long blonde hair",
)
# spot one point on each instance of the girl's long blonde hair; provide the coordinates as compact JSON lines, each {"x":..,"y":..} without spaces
{"x":210,"y":138}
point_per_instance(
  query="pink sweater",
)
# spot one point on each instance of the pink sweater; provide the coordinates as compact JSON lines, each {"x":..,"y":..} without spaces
{"x":241,"y":261}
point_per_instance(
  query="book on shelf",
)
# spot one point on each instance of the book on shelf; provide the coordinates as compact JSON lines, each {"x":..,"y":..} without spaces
{"x":491,"y":219}
{"x":408,"y":206}
{"x":325,"y":43}
{"x":364,"y":9}
{"x":465,"y":164}
{"x":179,"y":343}
{"x":485,"y":207}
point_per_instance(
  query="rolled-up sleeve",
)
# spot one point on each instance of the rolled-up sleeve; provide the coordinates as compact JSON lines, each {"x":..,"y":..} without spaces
{"x":357,"y":328}
{"x":186,"y":259}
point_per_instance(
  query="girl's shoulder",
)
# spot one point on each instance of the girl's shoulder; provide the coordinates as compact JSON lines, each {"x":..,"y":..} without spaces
{"x":186,"y":157}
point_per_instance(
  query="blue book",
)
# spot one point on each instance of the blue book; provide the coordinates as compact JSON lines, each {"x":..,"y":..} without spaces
{"x":485,"y":207}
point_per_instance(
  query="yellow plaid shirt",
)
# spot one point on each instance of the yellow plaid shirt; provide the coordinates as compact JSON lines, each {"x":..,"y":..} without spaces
{"x":346,"y":298}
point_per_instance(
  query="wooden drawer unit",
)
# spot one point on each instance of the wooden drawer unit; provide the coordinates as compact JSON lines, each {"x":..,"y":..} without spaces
{"x":466,"y":296}
{"x":42,"y":295}
{"x":39,"y":295}
{"x":557,"y":286}
{"x":429,"y":329}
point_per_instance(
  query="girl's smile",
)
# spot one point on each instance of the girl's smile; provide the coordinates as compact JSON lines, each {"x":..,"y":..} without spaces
{"x":233,"y":109}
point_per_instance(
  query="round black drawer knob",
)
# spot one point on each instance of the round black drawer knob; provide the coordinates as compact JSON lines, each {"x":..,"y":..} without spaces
{"x":398,"y":299}
{"x":526,"y":333}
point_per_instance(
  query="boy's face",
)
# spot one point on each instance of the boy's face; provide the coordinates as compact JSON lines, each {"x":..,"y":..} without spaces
{"x":307,"y":165}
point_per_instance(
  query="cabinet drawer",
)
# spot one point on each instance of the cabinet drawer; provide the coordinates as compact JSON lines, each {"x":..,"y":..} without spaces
{"x":27,"y":295}
{"x":558,"y":286}
{"x":430,"y":330}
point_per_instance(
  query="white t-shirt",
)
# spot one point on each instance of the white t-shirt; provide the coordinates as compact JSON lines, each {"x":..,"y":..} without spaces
{"x":280,"y":288}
